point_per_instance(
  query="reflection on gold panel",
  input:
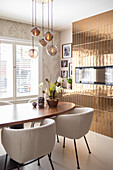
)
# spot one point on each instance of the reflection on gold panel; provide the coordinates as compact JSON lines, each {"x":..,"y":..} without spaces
{"x":93,"y":46}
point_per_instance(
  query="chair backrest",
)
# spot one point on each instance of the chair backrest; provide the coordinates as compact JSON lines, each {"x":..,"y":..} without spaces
{"x":75,"y":124}
{"x":2,"y":103}
{"x":27,"y":144}
{"x":32,"y":100}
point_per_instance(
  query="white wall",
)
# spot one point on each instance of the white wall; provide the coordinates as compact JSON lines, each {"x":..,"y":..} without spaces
{"x":65,"y":37}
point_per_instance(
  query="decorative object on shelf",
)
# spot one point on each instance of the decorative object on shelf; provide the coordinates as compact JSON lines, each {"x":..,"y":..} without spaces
{"x":52,"y":90}
{"x":64,"y":74}
{"x":69,"y":83}
{"x":67,"y":50}
{"x":34,"y":104}
{"x":70,"y":69}
{"x":64,"y":63}
{"x":48,"y":35}
{"x":40,"y":102}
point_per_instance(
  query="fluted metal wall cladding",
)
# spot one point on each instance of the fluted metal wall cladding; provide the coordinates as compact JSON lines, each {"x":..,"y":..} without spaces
{"x":93,"y":46}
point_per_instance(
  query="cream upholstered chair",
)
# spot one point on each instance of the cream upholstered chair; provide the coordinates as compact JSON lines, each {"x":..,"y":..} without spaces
{"x":75,"y":125}
{"x":2,"y":103}
{"x":23,"y":145}
{"x":32,"y":100}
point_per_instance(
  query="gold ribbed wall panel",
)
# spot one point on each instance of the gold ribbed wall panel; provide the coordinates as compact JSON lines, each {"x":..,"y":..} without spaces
{"x":93,"y":46}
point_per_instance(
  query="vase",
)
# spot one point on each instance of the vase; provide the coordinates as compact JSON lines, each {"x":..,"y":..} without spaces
{"x":69,"y":86}
{"x":52,"y":102}
{"x":40,"y":102}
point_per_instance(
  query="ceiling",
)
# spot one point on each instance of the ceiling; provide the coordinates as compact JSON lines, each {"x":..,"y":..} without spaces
{"x":65,"y":11}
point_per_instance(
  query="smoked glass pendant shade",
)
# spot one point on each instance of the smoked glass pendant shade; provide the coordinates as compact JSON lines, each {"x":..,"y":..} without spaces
{"x":33,"y":53}
{"x":35,"y":31}
{"x":48,"y":36}
{"x":42,"y":42}
{"x":52,"y":50}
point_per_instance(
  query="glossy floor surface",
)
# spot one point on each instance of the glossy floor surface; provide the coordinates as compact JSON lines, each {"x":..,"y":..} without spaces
{"x":64,"y":158}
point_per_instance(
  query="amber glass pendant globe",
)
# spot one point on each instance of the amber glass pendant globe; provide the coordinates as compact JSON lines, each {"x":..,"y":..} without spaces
{"x":48,"y":36}
{"x":35,"y":31}
{"x":52,"y":50}
{"x":33,"y":53}
{"x":42,"y":42}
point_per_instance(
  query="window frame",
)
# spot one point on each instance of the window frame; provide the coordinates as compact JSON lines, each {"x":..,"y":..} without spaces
{"x":15,"y":42}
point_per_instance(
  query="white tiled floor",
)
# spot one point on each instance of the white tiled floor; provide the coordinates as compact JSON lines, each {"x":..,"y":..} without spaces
{"x":64,"y":159}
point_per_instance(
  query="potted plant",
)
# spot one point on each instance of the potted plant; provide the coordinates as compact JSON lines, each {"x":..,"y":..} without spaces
{"x":69,"y":83}
{"x":51,"y":91}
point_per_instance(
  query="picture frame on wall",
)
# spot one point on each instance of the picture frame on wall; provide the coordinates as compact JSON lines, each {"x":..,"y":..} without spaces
{"x":70,"y":69}
{"x":64,"y":74}
{"x":64,"y":63}
{"x":67,"y":50}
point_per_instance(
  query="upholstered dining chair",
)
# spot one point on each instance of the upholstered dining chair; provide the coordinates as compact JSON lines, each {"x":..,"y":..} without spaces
{"x":23,"y":145}
{"x":2,"y":103}
{"x":32,"y":100}
{"x":75,"y":125}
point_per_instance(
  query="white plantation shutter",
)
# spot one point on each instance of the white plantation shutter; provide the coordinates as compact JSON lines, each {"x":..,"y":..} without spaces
{"x":26,"y":72}
{"x":6,"y":70}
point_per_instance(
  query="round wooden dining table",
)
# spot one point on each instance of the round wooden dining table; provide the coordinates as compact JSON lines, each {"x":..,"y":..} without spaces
{"x":21,"y":113}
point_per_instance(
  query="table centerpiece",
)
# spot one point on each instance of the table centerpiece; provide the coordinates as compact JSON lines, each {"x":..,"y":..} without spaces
{"x":51,"y":91}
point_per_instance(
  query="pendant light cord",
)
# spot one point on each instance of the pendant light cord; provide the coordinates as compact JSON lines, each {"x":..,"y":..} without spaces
{"x":35,"y":14}
{"x":42,"y":17}
{"x":32,"y":22}
{"x":52,"y":18}
{"x":48,"y":15}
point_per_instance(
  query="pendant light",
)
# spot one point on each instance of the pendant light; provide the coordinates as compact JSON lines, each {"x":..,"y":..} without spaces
{"x":51,"y":49}
{"x":48,"y":35}
{"x":35,"y":31}
{"x":42,"y":41}
{"x":33,"y":53}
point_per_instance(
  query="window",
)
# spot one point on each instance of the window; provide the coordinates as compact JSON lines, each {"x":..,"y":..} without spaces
{"x":18,"y":72}
{"x":26,"y":72}
{"x":6,"y":70}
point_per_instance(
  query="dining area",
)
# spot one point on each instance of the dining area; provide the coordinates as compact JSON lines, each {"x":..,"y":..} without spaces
{"x":26,"y":145}
{"x":56,"y":85}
